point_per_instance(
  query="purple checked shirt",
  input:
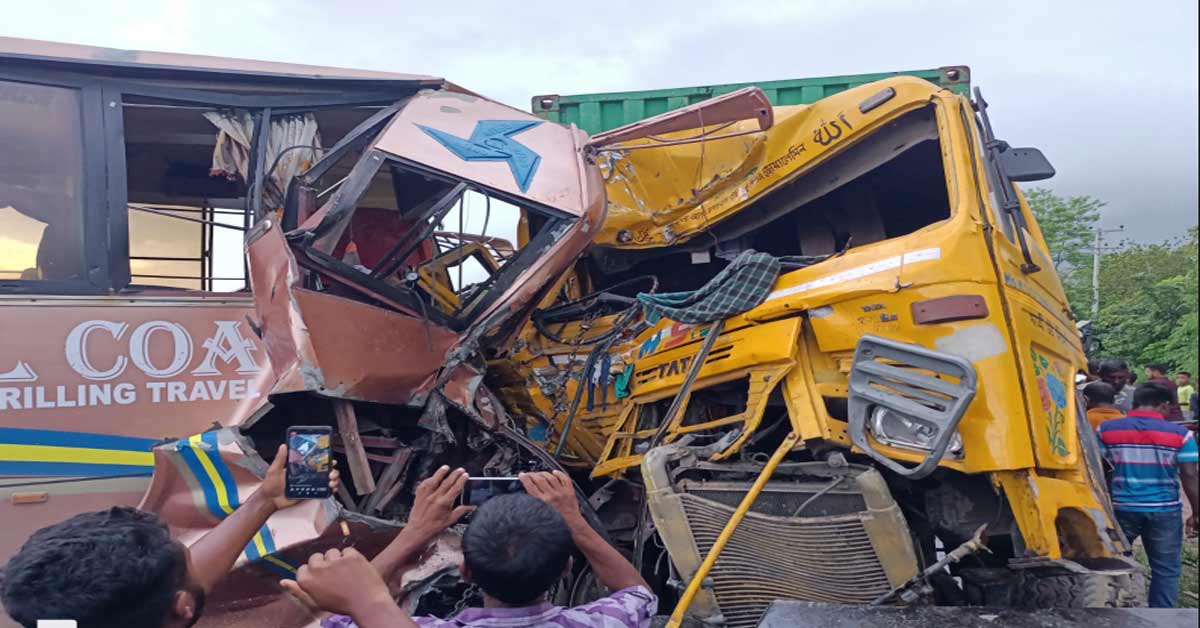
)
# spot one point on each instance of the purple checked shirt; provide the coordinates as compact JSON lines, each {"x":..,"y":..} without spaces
{"x":630,"y":608}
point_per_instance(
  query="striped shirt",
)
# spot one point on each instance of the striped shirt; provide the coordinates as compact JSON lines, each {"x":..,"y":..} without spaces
{"x":627,"y":608}
{"x":1145,"y":450}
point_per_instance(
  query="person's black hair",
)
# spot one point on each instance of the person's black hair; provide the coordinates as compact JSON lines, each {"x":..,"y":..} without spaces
{"x":116,"y":568}
{"x":1184,"y":373}
{"x":1100,"y":392}
{"x":1160,"y":367}
{"x":1093,"y":367}
{"x":1108,"y":367}
{"x":1150,"y":394}
{"x":516,"y":548}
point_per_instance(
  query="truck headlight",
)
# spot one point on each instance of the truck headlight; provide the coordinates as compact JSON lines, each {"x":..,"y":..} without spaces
{"x":895,"y":429}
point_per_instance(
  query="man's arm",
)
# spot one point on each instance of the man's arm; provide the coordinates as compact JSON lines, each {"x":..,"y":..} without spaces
{"x":1189,"y":474}
{"x":610,"y":567}
{"x":433,"y":511}
{"x":346,"y":584}
{"x":216,"y":552}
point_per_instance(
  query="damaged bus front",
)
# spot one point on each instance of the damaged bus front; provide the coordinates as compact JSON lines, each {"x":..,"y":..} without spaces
{"x":897,"y":386}
{"x":377,"y":314}
{"x":226,"y":248}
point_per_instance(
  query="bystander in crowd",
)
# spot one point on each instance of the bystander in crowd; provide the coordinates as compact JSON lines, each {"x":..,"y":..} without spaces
{"x":1157,"y":374}
{"x":1183,"y":382}
{"x":1151,"y":458}
{"x":1101,"y":403}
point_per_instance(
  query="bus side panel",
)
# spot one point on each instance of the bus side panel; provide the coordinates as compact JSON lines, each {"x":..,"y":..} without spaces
{"x":89,"y":385}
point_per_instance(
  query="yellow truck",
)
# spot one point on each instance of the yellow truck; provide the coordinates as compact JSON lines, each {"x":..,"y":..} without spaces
{"x":895,"y":419}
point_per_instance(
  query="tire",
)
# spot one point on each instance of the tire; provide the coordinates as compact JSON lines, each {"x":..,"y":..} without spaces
{"x":1080,"y":590}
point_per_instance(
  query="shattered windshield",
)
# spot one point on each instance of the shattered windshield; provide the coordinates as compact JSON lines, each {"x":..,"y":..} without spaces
{"x":451,"y":247}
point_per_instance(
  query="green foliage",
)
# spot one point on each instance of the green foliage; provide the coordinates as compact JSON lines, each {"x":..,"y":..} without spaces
{"x":1148,"y":292}
{"x":1068,"y":225}
{"x":1148,"y":302}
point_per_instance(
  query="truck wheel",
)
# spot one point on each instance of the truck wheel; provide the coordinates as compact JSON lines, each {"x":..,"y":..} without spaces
{"x":1075,"y":590}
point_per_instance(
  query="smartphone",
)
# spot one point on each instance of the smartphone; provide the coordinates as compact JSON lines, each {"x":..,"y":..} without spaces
{"x":309,"y":461}
{"x":479,"y":490}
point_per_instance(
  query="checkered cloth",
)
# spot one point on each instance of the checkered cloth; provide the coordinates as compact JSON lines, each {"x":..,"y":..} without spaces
{"x":740,"y":286}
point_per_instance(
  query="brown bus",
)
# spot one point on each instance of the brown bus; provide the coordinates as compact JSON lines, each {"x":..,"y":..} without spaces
{"x":410,"y":223}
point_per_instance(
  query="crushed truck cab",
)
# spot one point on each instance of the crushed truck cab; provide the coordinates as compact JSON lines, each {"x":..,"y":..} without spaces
{"x":916,"y":327}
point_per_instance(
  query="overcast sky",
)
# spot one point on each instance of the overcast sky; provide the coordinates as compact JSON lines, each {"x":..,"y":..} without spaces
{"x":1107,"y":89}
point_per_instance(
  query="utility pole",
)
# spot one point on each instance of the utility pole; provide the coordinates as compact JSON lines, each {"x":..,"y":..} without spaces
{"x":1097,"y":247}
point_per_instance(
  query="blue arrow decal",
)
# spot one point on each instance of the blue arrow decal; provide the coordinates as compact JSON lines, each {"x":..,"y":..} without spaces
{"x":492,"y":141}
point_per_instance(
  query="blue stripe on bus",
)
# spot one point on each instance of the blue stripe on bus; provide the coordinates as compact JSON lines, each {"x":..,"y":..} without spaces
{"x":71,"y":469}
{"x":214,"y":451}
{"x":56,"y":438}
{"x":212,"y":499}
{"x":210,"y":492}
{"x":268,"y":540}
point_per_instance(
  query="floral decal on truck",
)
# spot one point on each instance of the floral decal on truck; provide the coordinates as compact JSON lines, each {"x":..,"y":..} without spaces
{"x":1053,"y":392}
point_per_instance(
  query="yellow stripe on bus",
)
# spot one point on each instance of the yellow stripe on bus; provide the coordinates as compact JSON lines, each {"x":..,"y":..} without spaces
{"x":222,"y":498}
{"x":259,"y":544}
{"x":48,"y":453}
{"x":276,"y":561}
{"x":199,"y":448}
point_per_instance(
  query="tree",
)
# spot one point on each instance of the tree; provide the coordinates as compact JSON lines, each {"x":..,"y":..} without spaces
{"x":1149,"y":310}
{"x":1148,"y":292}
{"x":1068,"y":224}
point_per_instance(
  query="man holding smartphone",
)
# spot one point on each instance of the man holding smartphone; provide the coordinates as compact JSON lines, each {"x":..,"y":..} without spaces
{"x":120,"y":568}
{"x":515,"y":549}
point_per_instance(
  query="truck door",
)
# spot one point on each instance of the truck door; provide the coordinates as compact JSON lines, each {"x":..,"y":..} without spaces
{"x":1048,"y":350}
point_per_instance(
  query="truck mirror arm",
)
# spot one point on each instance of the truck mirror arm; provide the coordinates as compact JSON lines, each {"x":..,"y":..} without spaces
{"x":1008,"y":197}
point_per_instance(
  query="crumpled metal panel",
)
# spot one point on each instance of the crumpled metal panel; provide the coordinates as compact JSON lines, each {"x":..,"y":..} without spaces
{"x":334,"y":346}
{"x":484,"y":141}
{"x":201,"y":479}
{"x":662,"y":193}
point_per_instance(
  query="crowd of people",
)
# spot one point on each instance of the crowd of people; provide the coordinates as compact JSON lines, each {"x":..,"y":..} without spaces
{"x":1147,"y":436}
{"x":1109,"y":385}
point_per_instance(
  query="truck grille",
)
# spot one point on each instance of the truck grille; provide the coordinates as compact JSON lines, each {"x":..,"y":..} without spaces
{"x":820,"y":559}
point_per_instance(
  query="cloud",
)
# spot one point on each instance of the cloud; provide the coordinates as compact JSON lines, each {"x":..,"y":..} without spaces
{"x":1107,"y":89}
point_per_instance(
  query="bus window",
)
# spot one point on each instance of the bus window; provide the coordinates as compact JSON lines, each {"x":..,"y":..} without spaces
{"x":186,"y":166}
{"x":41,"y":183}
{"x":175,"y":198}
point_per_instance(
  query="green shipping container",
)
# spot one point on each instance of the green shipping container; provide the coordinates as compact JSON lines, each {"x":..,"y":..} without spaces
{"x":596,"y":113}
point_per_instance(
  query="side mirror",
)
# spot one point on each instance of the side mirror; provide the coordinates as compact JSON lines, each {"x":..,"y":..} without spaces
{"x":1026,"y":164}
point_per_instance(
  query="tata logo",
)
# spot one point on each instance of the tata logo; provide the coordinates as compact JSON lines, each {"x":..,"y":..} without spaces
{"x":492,"y":140}
{"x":674,"y":367}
